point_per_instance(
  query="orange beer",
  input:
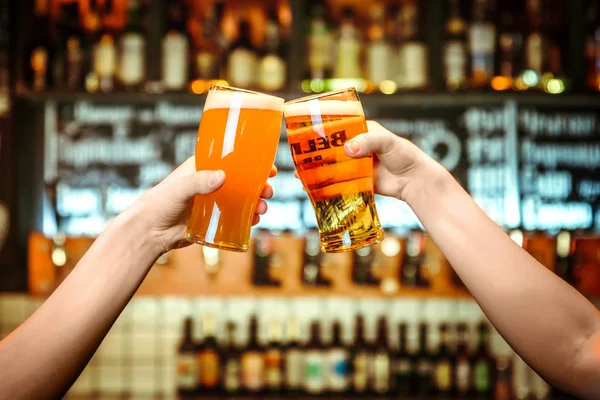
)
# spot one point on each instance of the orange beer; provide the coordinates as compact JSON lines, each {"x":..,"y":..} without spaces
{"x":340,"y":188}
{"x":239,"y":133}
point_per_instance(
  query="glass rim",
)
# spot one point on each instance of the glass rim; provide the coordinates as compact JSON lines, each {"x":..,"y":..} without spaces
{"x":321,"y":95}
{"x":235,"y":89}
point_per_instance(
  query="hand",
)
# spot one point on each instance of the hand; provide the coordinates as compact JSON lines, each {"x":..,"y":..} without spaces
{"x":400,"y":166}
{"x":167,"y":206}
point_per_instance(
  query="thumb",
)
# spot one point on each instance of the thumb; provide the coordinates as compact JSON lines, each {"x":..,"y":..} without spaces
{"x":377,"y":140}
{"x":202,"y":182}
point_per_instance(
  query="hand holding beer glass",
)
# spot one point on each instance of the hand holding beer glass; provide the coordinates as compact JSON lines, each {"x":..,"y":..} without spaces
{"x":340,"y":188}
{"x":239,"y":133}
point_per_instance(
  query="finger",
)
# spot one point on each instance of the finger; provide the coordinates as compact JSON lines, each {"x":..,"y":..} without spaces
{"x":273,"y":171}
{"x":261,"y":207}
{"x":267,"y":192}
{"x":255,"y":219}
{"x":202,"y":182}
{"x":296,"y":174}
{"x":378,"y":140}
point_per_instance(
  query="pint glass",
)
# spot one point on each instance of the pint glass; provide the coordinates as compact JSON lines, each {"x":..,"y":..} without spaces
{"x":239,"y":133}
{"x":340,"y":188}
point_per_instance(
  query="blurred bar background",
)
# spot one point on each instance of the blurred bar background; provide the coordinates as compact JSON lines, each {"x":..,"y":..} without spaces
{"x":101,"y":99}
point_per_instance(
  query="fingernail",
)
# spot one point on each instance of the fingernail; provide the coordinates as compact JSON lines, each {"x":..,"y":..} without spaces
{"x":216,"y":178}
{"x":352,"y":147}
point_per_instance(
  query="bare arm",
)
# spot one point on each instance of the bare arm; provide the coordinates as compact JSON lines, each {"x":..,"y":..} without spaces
{"x":45,"y":355}
{"x":553,"y":327}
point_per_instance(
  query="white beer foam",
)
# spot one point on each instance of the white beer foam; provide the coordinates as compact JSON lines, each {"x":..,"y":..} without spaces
{"x":326,"y":107}
{"x":229,"y":99}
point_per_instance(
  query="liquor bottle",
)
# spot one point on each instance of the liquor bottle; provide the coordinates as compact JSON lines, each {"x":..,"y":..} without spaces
{"x":315,"y":380}
{"x":293,"y":358}
{"x":483,"y":364}
{"x":413,"y":259}
{"x":482,"y":43}
{"x":274,"y":358}
{"x":208,"y":358}
{"x":362,"y":270}
{"x":313,"y":256}
{"x":424,"y":382}
{"x":565,"y":259}
{"x":105,"y":55}
{"x":553,"y":28}
{"x":443,"y":373}
{"x":319,"y":44}
{"x":522,"y":379}
{"x":360,"y":358}
{"x":462,"y":369}
{"x":455,"y":49}
{"x":242,"y":63}
{"x":510,"y":45}
{"x":231,"y":363}
{"x":68,"y":65}
{"x":40,"y":48}
{"x":263,"y":257}
{"x":253,"y":362}
{"x":175,"y":49}
{"x":535,"y":43}
{"x":338,"y":363}
{"x":61,"y":31}
{"x":272,"y":67}
{"x":208,"y":57}
{"x":348,"y":47}
{"x":592,"y":46}
{"x":132,"y":54}
{"x":395,"y":31}
{"x":504,"y":385}
{"x":381,"y":379}
{"x":402,"y":364}
{"x":187,"y":372}
{"x":93,"y":33}
{"x":378,"y":50}
{"x":415,"y":67}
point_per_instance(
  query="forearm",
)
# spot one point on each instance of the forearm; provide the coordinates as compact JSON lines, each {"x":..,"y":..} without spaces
{"x":44,"y":356}
{"x":551,"y":325}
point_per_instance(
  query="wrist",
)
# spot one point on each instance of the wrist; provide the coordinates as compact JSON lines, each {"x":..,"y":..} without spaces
{"x":132,"y":226}
{"x":428,"y":180}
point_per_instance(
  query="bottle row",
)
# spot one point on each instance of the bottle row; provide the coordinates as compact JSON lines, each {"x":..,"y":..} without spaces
{"x":456,"y":364}
{"x":293,"y":264}
{"x":102,"y":46}
{"x":417,"y":262}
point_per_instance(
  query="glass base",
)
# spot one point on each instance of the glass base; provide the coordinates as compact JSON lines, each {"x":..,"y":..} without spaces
{"x":219,"y":245}
{"x":340,"y":243}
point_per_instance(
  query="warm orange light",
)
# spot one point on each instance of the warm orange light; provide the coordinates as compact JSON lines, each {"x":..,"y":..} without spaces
{"x":199,"y":86}
{"x":520,"y":84}
{"x":501,"y":83}
{"x":369,"y":87}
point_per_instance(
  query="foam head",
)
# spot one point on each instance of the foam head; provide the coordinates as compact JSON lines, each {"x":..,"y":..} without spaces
{"x":242,"y":99}
{"x":323,"y":107}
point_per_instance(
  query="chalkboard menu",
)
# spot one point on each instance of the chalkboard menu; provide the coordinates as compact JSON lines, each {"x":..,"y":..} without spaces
{"x":477,"y":144}
{"x":101,"y":157}
{"x":560,"y":167}
{"x":524,"y":165}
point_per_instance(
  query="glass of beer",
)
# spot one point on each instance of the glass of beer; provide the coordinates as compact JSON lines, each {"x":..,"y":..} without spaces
{"x":239,"y":133}
{"x":340,"y":188}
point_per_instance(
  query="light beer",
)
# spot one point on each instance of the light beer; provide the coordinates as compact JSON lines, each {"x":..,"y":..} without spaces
{"x":239,"y":133}
{"x":339,"y":187}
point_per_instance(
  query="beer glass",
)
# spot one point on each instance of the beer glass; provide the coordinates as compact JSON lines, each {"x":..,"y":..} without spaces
{"x":340,"y":188}
{"x":239,"y":133}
